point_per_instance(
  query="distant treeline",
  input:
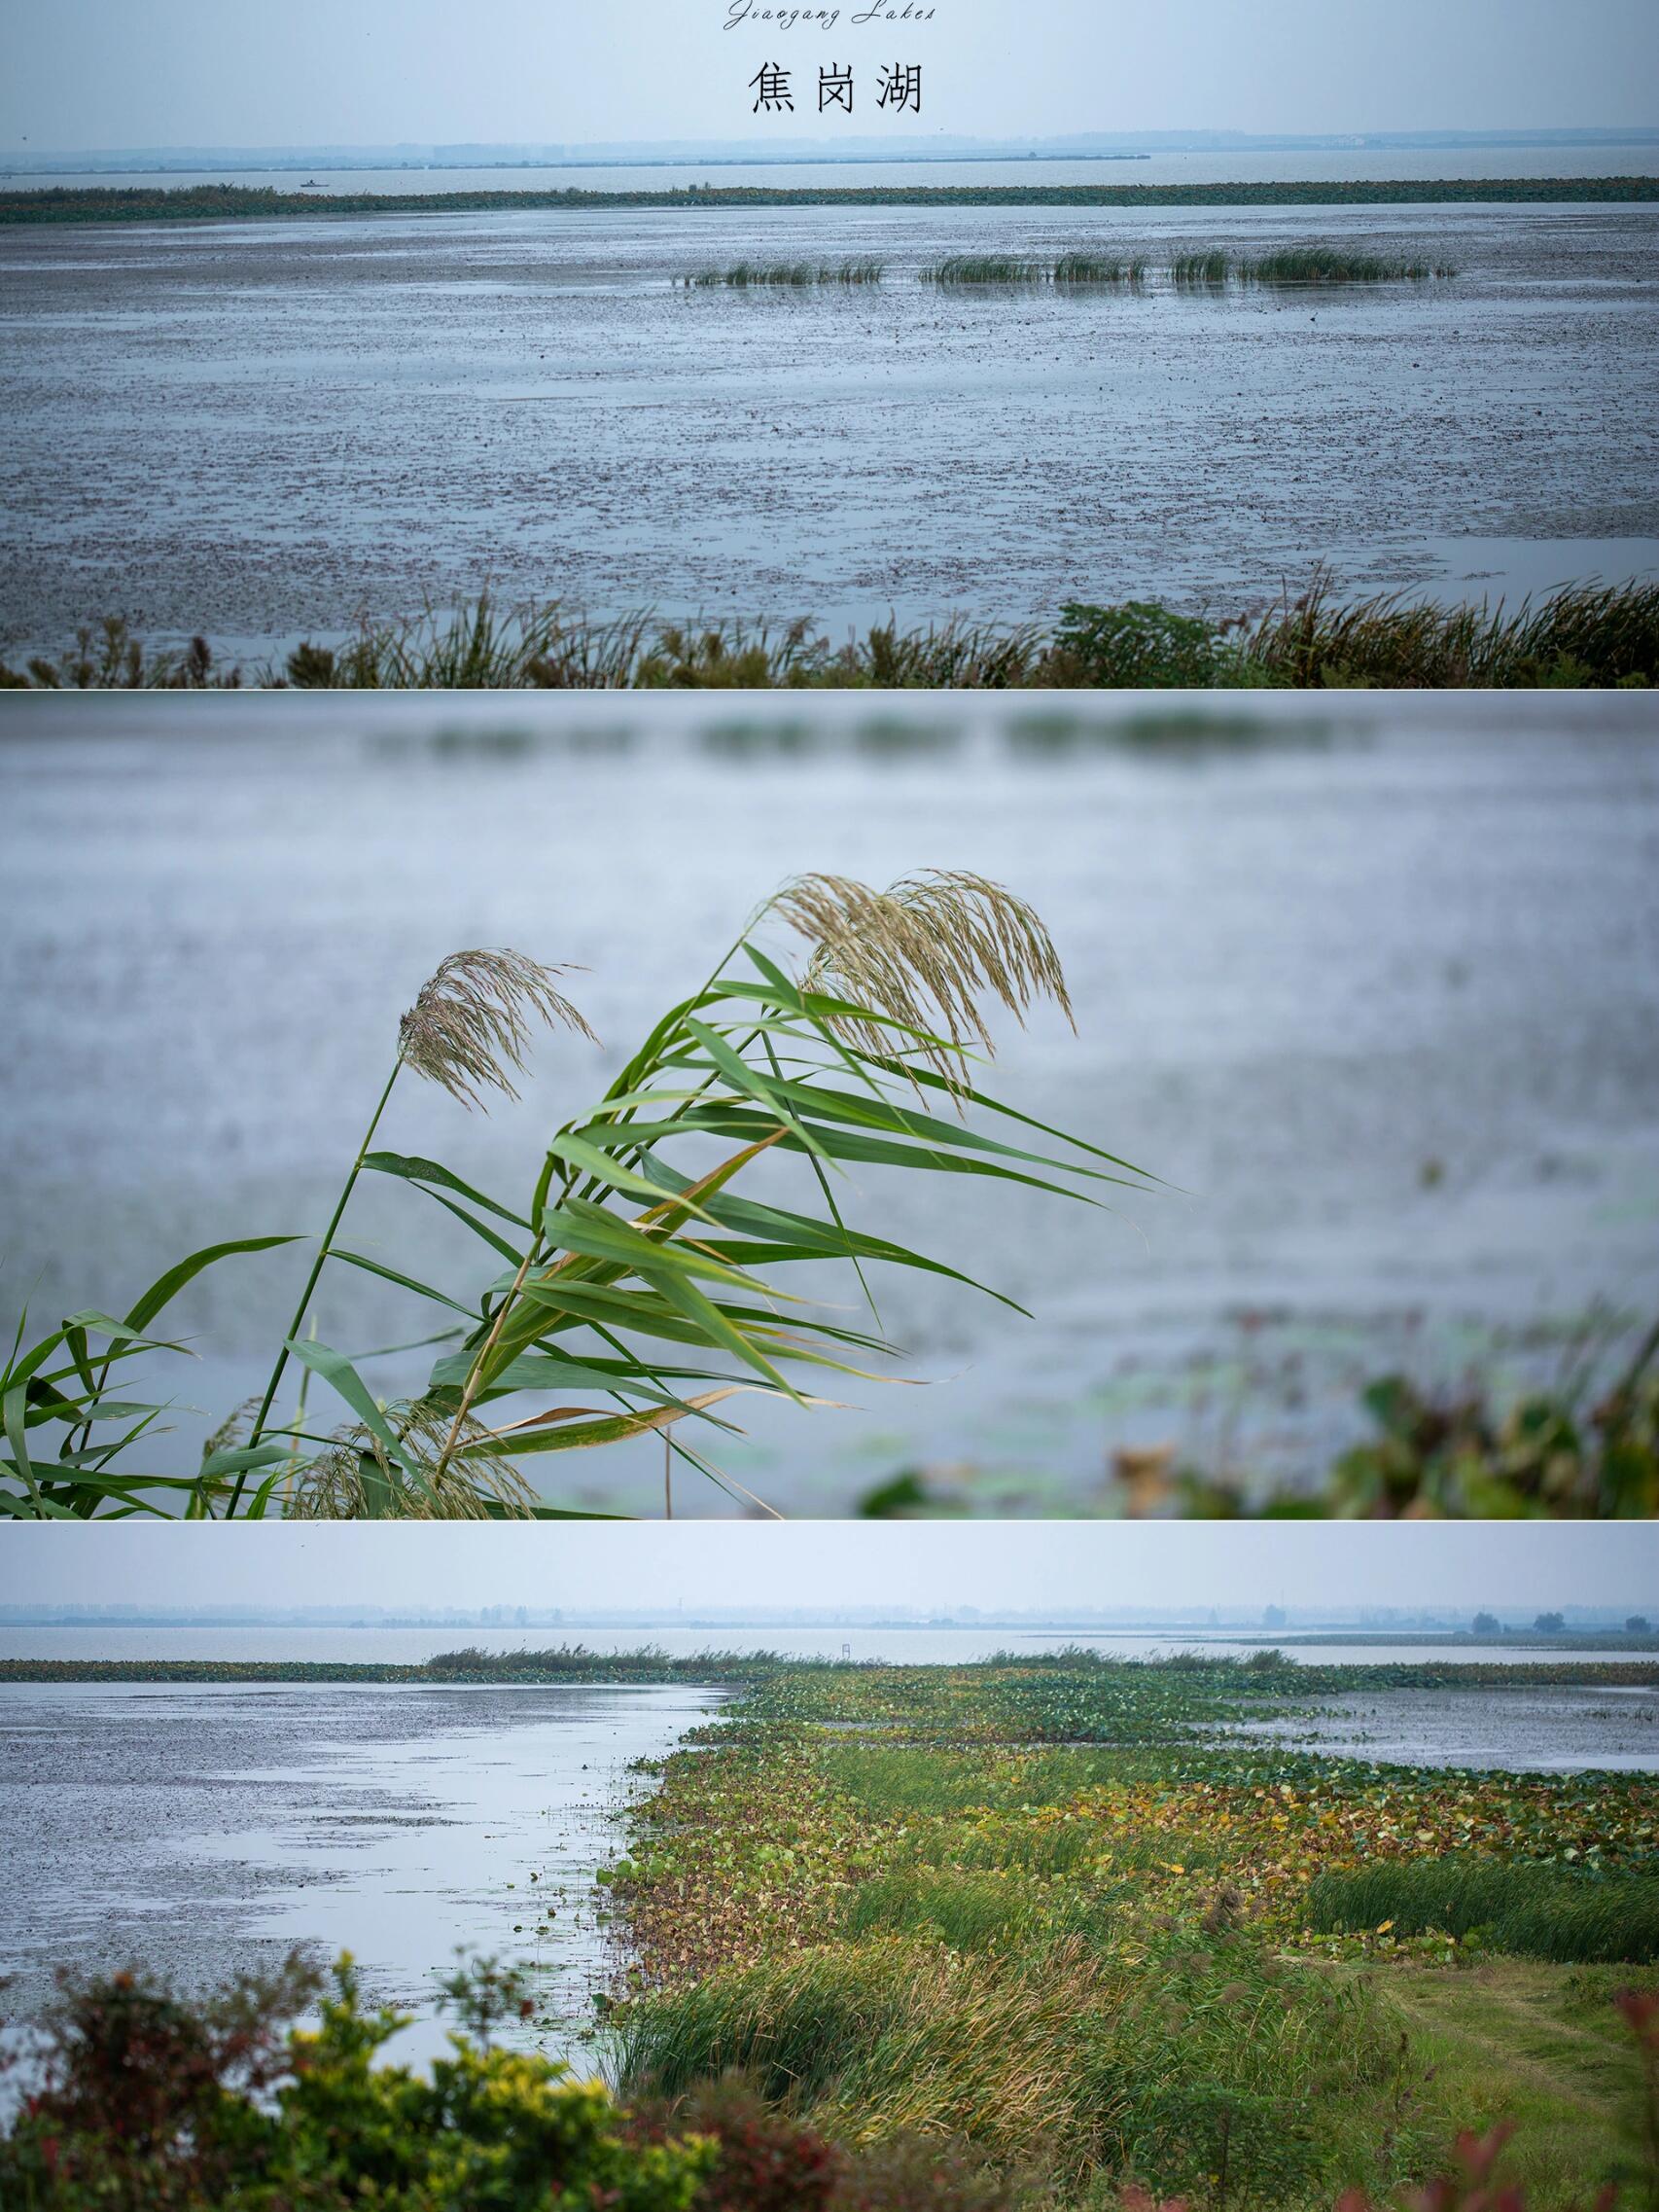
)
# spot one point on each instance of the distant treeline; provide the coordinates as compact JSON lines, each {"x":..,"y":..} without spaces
{"x":154,"y":203}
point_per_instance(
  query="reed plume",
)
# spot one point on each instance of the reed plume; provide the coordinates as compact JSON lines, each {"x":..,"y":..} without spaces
{"x":468,"y":1026}
{"x":473,"y":1018}
{"x":925,"y":952}
{"x":358,"y":1479}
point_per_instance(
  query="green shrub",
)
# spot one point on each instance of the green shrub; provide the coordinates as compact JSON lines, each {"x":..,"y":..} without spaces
{"x":1572,"y":1453}
{"x":149,"y":2102}
{"x":1140,"y":643}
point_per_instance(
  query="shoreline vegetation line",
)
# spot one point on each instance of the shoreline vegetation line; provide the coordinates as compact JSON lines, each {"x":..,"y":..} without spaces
{"x":220,"y":203}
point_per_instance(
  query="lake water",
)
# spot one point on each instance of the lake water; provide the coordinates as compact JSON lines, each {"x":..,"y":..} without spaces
{"x":261,"y":430}
{"x":1555,"y":1730}
{"x":208,"y":1830}
{"x":1317,"y":164}
{"x":1372,"y":982}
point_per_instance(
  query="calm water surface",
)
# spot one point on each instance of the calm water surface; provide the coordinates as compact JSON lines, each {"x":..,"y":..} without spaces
{"x":208,"y":1830}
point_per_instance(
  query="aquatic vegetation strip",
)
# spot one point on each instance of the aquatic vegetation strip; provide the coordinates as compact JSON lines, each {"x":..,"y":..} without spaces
{"x":1336,"y":265}
{"x":220,"y":203}
{"x":791,"y":274}
{"x":1080,"y":266}
{"x":1585,"y":635}
{"x":985,"y":269}
{"x":1314,"y":265}
{"x":1192,"y":270}
{"x":1040,"y":1908}
{"x":1300,"y":264}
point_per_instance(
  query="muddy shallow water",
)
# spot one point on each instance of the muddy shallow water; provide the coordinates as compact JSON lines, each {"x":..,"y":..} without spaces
{"x":1371,"y":984}
{"x":259,"y":430}
{"x":1525,"y":1731}
{"x":207,"y":1831}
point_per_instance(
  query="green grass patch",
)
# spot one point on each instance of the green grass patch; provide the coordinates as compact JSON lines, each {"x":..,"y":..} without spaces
{"x":1334,"y":264}
{"x":1098,"y":268}
{"x":1535,"y":1910}
{"x":1049,"y":2056}
{"x":1197,"y":270}
{"x":984,"y":269}
{"x":1542,"y":2049}
{"x":1042,"y":1907}
{"x":744,"y":275}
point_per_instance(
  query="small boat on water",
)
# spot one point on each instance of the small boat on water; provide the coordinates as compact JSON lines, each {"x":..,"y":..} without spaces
{"x":310,"y":185}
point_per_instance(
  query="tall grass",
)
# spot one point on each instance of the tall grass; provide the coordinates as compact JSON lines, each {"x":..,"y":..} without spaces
{"x":1529,"y":1907}
{"x":1098,"y":268}
{"x":796,"y":274}
{"x":1189,"y":271}
{"x":1335,"y":264}
{"x":1584,"y":634}
{"x":1045,"y":2054}
{"x":984,"y":269}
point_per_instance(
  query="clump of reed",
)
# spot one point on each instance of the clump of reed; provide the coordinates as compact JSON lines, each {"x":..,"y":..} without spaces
{"x":1198,"y":271}
{"x":1335,"y":264}
{"x":744,"y":275}
{"x":612,"y":1237}
{"x":1534,"y":1910}
{"x":983,"y":268}
{"x":1097,"y":268}
{"x":107,"y":656}
{"x":1585,"y":634}
{"x":952,"y":656}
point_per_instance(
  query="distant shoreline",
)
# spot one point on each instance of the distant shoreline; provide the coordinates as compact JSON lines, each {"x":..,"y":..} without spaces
{"x":216,"y":204}
{"x":714,"y":1668}
{"x":228,"y":169}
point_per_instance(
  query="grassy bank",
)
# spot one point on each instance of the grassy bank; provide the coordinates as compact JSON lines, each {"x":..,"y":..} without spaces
{"x":1588,"y":635}
{"x":224,"y":202}
{"x":141,"y":2098}
{"x":1036,"y":1909}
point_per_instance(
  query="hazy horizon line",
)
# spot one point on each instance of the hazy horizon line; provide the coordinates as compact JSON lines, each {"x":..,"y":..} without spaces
{"x":582,"y":153}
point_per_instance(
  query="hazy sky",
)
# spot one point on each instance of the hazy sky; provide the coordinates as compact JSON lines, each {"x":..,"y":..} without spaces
{"x":1026,"y":1565}
{"x":83,"y":74}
